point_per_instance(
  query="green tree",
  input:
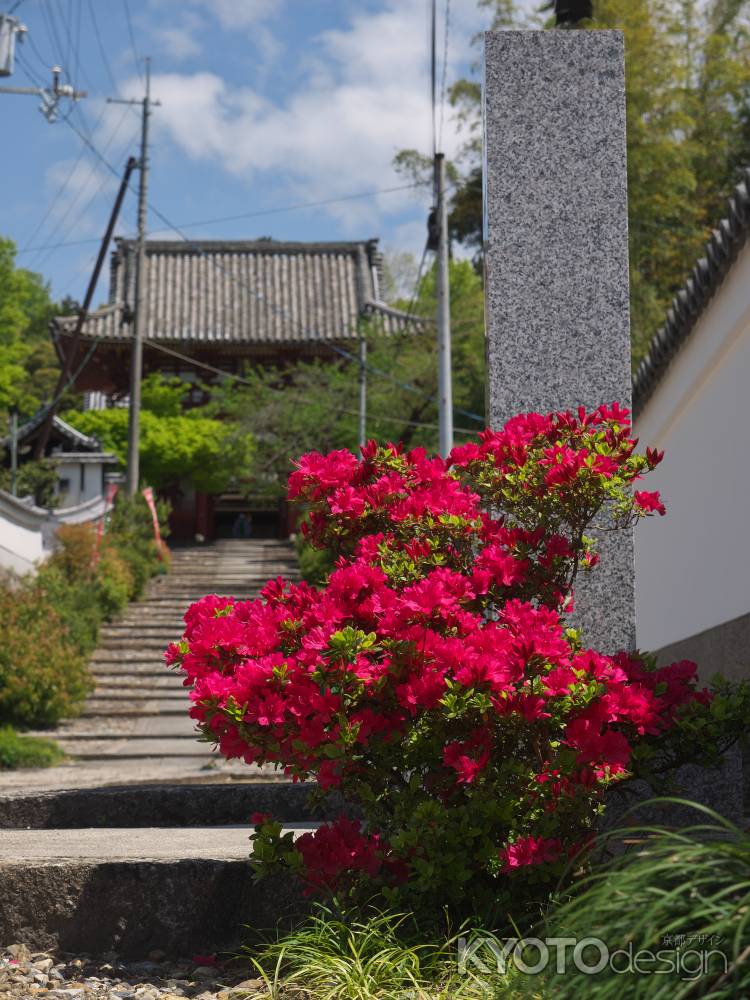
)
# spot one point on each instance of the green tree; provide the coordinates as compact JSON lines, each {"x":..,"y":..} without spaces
{"x":314,"y":405}
{"x":688,"y":134}
{"x":28,"y":365}
{"x":190,"y":447}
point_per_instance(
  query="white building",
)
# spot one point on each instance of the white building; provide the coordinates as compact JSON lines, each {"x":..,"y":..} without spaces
{"x":27,"y":532}
{"x":691,"y":399}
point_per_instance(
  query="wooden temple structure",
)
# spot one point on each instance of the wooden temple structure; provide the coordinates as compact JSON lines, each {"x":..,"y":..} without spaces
{"x":225,"y":304}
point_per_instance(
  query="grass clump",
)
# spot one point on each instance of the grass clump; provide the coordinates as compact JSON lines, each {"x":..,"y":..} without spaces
{"x":373,"y":956}
{"x":683,"y":895}
{"x":26,"y":751}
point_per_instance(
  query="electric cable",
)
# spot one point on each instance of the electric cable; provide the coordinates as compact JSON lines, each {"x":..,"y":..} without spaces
{"x":133,"y":46}
{"x":304,"y":399}
{"x":260,"y":296}
{"x":246,"y":215}
{"x":445,"y":71}
{"x":102,"y":50}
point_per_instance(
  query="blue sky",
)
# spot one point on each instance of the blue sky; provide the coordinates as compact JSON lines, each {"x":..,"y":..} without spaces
{"x":265,"y":104}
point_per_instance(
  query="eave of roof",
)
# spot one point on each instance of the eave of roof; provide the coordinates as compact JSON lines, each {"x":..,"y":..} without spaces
{"x":70,"y":433}
{"x":691,"y":301}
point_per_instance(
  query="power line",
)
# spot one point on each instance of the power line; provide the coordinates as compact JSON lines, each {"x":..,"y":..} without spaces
{"x":433,"y":72}
{"x":128,"y":18}
{"x":262,"y":297}
{"x":445,"y":69}
{"x":102,"y":50}
{"x":49,"y":17}
{"x":248,"y":215}
{"x":302,"y":399}
{"x":58,"y":194}
{"x":82,"y":190}
{"x":407,"y":386}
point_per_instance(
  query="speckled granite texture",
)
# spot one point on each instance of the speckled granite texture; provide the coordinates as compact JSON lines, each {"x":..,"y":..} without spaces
{"x":556,"y":255}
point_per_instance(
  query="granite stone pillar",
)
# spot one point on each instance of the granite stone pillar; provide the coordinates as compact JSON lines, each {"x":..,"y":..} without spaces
{"x":556,"y":257}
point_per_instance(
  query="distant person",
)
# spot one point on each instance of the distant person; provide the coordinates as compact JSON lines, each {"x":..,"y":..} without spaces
{"x":243,"y":526}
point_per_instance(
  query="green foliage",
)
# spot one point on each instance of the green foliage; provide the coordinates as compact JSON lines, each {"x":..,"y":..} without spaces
{"x":51,"y":620}
{"x":340,"y":955}
{"x":314,"y":564}
{"x":28,"y":365}
{"x":130,"y":529}
{"x":690,"y":886}
{"x":314,"y":405}
{"x":163,"y":396}
{"x":42,"y":664}
{"x":207,"y":453}
{"x":688,"y":135}
{"x":38,"y":479}
{"x":26,"y":751}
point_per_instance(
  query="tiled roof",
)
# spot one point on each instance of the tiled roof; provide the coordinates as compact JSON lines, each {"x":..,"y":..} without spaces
{"x":689,"y":303}
{"x":68,"y":433}
{"x":244,"y":292}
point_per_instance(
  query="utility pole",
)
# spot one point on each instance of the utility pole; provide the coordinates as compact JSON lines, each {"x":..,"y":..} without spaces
{"x":66,"y":373}
{"x":14,"y":450}
{"x":136,"y":356}
{"x":12,"y":31}
{"x":362,"y":389}
{"x":445,"y":387}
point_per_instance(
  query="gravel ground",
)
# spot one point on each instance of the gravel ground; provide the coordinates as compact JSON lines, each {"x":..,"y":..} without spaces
{"x":25,"y":974}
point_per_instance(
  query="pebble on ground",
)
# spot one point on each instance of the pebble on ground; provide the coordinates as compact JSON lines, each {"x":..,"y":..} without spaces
{"x":26,"y":974}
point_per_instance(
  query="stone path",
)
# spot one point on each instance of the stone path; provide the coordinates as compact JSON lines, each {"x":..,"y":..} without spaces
{"x":138,"y":710}
{"x":135,"y":726}
{"x":140,"y":841}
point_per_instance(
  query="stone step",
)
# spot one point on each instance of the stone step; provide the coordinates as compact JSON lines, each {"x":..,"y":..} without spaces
{"x":178,"y":726}
{"x":136,"y":676}
{"x":172,"y":693}
{"x":97,"y":747}
{"x":143,"y":625}
{"x":132,"y":890}
{"x":97,"y":708}
{"x":133,"y":645}
{"x":162,"y":805}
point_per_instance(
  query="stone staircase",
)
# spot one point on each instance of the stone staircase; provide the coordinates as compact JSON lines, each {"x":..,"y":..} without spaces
{"x":140,"y":840}
{"x":138,"y":710}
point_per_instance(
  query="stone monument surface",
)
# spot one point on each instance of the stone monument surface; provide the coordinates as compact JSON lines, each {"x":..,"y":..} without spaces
{"x":556,"y":285}
{"x":556,"y":257}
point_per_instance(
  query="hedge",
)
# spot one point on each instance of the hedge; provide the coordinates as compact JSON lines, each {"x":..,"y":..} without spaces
{"x":51,"y":619}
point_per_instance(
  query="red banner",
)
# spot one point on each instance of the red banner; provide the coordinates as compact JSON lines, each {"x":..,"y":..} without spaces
{"x":148,"y":494}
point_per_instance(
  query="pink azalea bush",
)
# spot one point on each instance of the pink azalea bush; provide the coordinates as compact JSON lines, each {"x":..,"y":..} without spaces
{"x":435,"y":681}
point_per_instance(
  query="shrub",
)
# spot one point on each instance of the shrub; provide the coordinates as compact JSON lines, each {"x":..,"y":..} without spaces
{"x":314,"y":564}
{"x":435,"y":681}
{"x":684,"y":894}
{"x":51,"y":620}
{"x":26,"y":751}
{"x":131,"y":531}
{"x":37,"y":479}
{"x":42,"y":669}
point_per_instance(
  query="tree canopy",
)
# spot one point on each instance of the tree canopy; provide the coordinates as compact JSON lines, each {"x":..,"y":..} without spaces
{"x":314,"y":405}
{"x":688,"y":134}
{"x":191,"y":447}
{"x":28,"y":365}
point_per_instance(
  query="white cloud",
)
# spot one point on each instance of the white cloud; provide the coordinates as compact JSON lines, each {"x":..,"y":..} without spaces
{"x":240,"y":13}
{"x":364,"y":96}
{"x":178,"y":42}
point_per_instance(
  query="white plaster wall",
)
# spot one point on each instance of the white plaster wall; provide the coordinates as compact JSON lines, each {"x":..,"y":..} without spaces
{"x":693,"y":566}
{"x":93,"y":482}
{"x":21,"y":543}
{"x":70,"y":471}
